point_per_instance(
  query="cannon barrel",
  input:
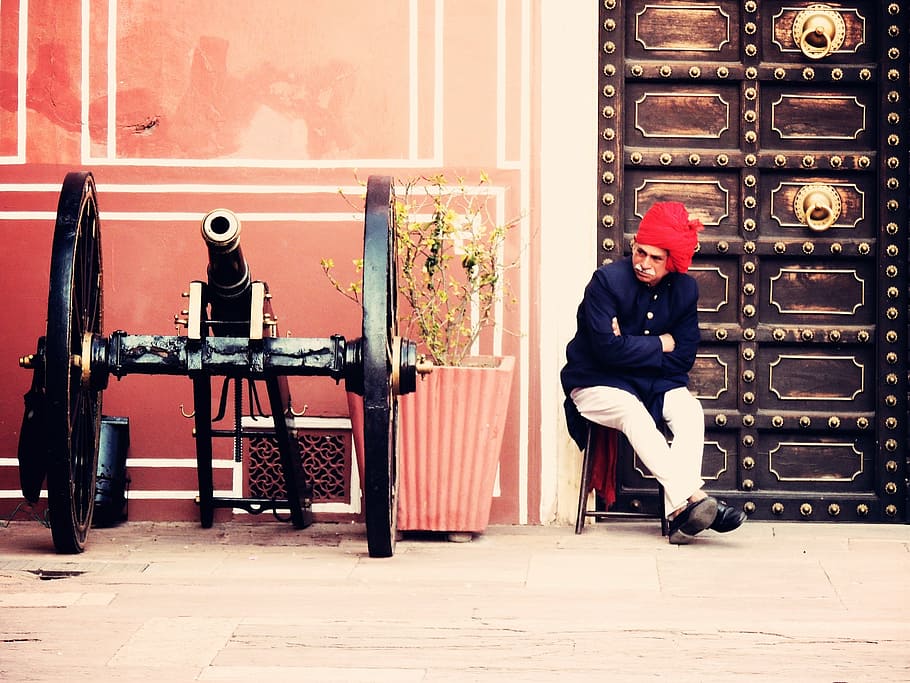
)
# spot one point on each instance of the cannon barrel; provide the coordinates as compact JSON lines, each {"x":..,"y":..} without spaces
{"x":228,"y":273}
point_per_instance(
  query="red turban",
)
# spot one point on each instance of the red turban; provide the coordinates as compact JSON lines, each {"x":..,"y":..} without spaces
{"x":666,"y":225}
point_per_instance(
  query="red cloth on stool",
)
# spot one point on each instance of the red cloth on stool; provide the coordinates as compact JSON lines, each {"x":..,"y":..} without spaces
{"x":604,"y":443}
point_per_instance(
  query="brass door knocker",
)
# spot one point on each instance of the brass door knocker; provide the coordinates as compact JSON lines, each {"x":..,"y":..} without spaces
{"x":819,"y":31}
{"x":817,"y":206}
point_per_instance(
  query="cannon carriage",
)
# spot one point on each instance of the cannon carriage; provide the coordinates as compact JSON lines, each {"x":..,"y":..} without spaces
{"x":231,"y":333}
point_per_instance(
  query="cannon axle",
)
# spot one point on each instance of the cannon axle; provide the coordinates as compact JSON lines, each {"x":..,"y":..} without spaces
{"x":123,"y":354}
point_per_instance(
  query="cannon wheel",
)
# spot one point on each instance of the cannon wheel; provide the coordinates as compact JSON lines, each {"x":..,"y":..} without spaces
{"x":73,"y":406}
{"x":380,"y":401}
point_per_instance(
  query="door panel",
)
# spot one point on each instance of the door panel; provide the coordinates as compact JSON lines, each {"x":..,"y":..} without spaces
{"x":714,"y":378}
{"x":698,"y":115}
{"x":824,"y":293}
{"x":796,"y":118}
{"x":827,"y":464}
{"x":781,"y":125}
{"x":718,"y":285}
{"x":714,"y":198}
{"x":803,"y":378}
{"x":665,"y":30}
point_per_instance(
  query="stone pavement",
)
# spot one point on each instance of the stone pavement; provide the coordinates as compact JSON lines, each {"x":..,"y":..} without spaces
{"x":258,"y":601}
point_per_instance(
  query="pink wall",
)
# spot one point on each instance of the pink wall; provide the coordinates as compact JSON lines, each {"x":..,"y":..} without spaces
{"x":266,"y":109}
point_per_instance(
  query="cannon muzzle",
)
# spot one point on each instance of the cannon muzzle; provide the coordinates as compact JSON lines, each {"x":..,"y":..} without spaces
{"x":228,"y":272}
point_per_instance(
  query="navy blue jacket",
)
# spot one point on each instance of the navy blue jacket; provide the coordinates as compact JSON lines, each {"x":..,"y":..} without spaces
{"x":633,"y":360}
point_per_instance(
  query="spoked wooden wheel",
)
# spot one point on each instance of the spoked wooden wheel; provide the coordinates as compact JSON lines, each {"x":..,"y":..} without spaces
{"x":73,"y":405}
{"x":379,"y":356}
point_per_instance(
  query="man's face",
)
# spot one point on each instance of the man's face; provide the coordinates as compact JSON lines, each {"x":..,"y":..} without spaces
{"x":649,"y":263}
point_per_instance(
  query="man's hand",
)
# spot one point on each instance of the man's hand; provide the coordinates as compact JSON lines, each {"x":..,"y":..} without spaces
{"x":667,"y":343}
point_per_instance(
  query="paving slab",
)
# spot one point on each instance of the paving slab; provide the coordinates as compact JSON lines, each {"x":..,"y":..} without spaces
{"x":260,"y":601}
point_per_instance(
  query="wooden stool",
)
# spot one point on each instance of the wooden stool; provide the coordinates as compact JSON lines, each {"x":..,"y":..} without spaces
{"x":584,"y":489}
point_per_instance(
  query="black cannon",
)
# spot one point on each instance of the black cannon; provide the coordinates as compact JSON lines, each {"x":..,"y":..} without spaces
{"x":231,"y":332}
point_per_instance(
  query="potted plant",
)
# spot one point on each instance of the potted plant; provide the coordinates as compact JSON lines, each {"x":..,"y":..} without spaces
{"x":451,"y":281}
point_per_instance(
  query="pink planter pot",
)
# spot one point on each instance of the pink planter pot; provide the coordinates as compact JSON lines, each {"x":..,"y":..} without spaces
{"x":451,"y":435}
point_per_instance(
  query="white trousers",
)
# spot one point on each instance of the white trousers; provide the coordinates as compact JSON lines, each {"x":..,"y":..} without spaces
{"x":676,"y":466}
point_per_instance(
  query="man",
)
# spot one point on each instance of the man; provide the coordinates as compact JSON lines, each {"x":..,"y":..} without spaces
{"x":627,"y":366}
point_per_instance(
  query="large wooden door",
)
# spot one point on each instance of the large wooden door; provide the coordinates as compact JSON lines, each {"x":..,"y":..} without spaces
{"x":783,"y":126}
